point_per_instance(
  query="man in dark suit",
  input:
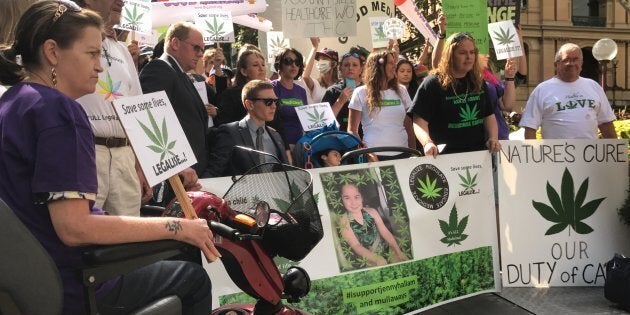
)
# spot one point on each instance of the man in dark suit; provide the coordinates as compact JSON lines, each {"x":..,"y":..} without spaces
{"x":183,"y":48}
{"x":261,"y":103}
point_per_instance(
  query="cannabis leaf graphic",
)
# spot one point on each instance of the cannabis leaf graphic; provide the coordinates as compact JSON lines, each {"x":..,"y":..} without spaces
{"x":504,"y":37}
{"x":468,"y":114}
{"x":278,"y":43}
{"x":468,"y":182}
{"x":215,"y":29}
{"x":567,"y":209}
{"x":109,"y":88}
{"x":454,"y":229}
{"x":428,"y":189}
{"x":132,"y":17}
{"x":571,"y":105}
{"x":159,"y":138}
{"x":380,"y":35}
{"x":316,"y":117}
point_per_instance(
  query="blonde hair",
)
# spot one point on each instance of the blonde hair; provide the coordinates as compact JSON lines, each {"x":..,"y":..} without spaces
{"x":444,"y":70}
{"x":12,"y":11}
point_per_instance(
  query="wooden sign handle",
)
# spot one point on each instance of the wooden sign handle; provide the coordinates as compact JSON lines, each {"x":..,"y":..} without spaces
{"x":182,"y":197}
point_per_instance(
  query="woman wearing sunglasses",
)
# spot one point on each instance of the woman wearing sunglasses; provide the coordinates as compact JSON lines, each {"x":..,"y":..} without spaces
{"x":289,"y":64}
{"x":381,"y":106}
{"x":451,"y":106}
{"x":48,"y":169}
{"x":338,"y":95}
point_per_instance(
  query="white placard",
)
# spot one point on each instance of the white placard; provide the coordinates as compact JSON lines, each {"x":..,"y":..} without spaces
{"x":379,"y":37}
{"x":169,"y":12}
{"x":315,"y":116}
{"x":558,"y":202}
{"x":254,"y":21}
{"x":216,"y":26}
{"x":319,"y":18}
{"x":136,"y":16}
{"x":155,"y":135}
{"x":505,"y":40}
{"x":275,"y":43}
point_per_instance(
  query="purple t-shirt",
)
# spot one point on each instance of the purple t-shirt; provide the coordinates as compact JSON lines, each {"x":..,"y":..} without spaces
{"x":46,"y":145}
{"x":290,"y":99}
{"x":496,"y":91}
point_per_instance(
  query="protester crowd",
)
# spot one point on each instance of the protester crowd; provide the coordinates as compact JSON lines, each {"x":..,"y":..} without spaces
{"x":62,"y":64}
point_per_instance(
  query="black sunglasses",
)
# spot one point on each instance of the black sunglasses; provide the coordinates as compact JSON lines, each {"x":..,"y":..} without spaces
{"x":289,"y":61}
{"x":64,"y":5}
{"x":267,"y":101}
{"x":198,"y":49}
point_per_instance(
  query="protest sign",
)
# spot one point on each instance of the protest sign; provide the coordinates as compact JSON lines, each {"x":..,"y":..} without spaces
{"x":136,"y":16}
{"x":505,"y":40}
{"x":275,"y":43}
{"x":504,"y":10}
{"x":216,"y":26}
{"x":468,"y":16}
{"x":413,"y":14}
{"x":379,"y":38}
{"x":155,"y":135}
{"x":318,"y":18}
{"x":254,"y":21}
{"x":315,"y":116}
{"x":441,"y":216}
{"x":558,"y":202}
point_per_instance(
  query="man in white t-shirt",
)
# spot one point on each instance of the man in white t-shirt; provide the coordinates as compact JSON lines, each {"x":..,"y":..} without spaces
{"x":568,"y":106}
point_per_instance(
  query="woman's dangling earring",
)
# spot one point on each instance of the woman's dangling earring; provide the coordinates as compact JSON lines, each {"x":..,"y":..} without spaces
{"x":53,"y":76}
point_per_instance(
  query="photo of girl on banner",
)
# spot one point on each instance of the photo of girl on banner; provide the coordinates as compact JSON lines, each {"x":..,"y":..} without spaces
{"x":369,"y":217}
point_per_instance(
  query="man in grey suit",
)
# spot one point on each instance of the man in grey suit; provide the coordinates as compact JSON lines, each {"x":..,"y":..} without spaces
{"x":261,"y":103}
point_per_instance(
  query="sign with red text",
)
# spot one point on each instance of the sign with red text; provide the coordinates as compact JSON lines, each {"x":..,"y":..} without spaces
{"x":156,"y":136}
{"x":558,"y":202}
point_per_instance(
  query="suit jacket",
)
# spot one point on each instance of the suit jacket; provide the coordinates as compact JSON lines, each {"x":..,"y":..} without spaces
{"x":164,"y":74}
{"x":225,"y":160}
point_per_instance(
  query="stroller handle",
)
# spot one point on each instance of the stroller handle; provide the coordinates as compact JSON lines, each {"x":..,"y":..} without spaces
{"x":355,"y":153}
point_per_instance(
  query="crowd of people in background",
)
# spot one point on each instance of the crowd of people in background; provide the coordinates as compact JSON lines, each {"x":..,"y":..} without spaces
{"x":57,"y":57}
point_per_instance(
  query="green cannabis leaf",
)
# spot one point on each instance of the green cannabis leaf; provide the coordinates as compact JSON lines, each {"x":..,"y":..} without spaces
{"x":380,"y":35}
{"x":468,"y":182}
{"x":567,"y":209}
{"x":159,"y":138}
{"x":428,"y":189}
{"x":454,"y":229}
{"x":316,"y":117}
{"x":132,"y":16}
{"x":468,"y":114}
{"x":504,"y":37}
{"x":215,"y":29}
{"x":278,"y":43}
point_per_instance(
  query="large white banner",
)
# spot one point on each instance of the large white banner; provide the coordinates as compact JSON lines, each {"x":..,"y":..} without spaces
{"x":558,"y":210}
{"x":436,"y":238}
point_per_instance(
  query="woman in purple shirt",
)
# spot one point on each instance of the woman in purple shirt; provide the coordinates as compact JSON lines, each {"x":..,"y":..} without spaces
{"x":48,"y":170}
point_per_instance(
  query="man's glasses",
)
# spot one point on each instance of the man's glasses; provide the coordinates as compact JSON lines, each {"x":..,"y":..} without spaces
{"x":289,"y":61}
{"x":267,"y":101}
{"x":198,"y":49}
{"x":64,"y":5}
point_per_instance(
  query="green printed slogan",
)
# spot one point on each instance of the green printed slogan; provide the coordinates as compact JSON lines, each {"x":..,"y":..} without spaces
{"x":394,"y":102}
{"x":293,"y":102}
{"x":377,"y":296}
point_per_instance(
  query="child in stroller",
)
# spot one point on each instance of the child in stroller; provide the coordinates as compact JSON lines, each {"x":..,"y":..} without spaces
{"x":324,"y":147}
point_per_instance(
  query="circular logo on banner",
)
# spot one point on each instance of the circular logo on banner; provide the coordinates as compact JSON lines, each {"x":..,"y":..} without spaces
{"x":394,"y":28}
{"x":428,"y":186}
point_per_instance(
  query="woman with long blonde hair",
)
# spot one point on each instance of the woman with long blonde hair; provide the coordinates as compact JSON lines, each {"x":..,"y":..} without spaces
{"x":381,"y":106}
{"x":452,"y":105}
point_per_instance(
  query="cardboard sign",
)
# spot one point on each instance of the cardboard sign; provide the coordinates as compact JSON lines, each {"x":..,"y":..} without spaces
{"x":379,"y":37}
{"x":216,"y":26}
{"x":315,"y":116}
{"x":318,"y":18}
{"x":155,"y":135}
{"x":440,"y":213}
{"x":275,"y":43}
{"x":136,"y":16}
{"x":558,"y":202}
{"x":505,"y":40}
{"x":504,"y":10}
{"x":468,"y":16}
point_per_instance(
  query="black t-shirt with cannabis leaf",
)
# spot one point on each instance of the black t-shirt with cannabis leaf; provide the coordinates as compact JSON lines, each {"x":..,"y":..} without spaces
{"x":455,"y":115}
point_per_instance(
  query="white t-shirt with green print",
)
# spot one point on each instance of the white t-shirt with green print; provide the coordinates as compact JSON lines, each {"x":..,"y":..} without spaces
{"x":567,"y":110}
{"x":384,"y":127}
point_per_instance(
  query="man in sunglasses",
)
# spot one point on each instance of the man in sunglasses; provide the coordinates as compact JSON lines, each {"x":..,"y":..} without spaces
{"x":261,"y":104}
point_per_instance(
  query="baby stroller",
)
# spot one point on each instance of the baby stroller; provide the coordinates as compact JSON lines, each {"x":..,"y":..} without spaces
{"x":270,"y":211}
{"x":307,"y":149}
